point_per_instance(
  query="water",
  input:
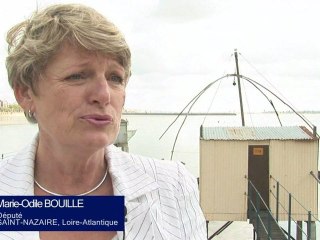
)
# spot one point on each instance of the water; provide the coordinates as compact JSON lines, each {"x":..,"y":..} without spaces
{"x":146,"y":142}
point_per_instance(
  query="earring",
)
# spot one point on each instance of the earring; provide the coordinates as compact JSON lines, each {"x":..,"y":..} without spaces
{"x":31,"y":116}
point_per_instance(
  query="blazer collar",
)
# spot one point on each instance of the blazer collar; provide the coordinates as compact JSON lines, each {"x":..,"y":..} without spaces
{"x":128,"y":177}
{"x":21,"y":169}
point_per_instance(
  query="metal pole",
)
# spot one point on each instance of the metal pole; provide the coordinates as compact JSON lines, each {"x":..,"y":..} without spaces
{"x":258,"y":214}
{"x":269,"y":227}
{"x":289,"y":218}
{"x":207,"y":223}
{"x":309,"y":226}
{"x":250,"y":201}
{"x":239,"y":87}
{"x":299,"y":230}
{"x":277,"y":206}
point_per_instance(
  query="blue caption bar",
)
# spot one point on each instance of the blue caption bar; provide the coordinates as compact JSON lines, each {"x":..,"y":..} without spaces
{"x":65,"y":213}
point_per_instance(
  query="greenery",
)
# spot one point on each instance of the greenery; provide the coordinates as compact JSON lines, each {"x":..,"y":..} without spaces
{"x":11,"y":108}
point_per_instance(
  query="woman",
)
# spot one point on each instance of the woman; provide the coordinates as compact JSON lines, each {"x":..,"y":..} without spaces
{"x":69,"y":67}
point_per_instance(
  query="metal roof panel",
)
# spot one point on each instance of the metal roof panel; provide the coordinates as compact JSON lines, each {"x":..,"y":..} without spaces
{"x":256,"y":133}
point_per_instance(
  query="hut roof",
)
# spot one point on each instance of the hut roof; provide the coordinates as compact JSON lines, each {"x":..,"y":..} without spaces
{"x":256,"y":133}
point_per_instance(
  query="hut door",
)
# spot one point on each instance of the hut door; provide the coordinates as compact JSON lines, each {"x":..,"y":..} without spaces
{"x":259,"y":170}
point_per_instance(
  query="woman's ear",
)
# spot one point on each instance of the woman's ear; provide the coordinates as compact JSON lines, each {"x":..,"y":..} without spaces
{"x":24,"y":96}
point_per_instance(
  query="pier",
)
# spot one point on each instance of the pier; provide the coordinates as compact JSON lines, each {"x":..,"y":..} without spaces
{"x":182,"y":114}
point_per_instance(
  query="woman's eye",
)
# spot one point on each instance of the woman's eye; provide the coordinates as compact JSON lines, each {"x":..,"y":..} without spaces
{"x":116,"y":79}
{"x":76,"y":76}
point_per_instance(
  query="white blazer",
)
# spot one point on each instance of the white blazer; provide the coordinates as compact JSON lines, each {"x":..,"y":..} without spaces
{"x":161,"y":197}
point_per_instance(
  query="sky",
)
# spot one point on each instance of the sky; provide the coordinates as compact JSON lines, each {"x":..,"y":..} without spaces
{"x":179,"y":47}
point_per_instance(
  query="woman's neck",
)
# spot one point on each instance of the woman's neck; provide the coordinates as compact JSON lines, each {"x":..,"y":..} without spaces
{"x":67,"y":169}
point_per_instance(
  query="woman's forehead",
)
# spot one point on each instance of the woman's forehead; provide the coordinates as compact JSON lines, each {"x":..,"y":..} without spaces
{"x":72,"y":52}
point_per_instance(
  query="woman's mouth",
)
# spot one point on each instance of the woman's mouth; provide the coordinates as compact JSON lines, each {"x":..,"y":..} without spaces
{"x":97,"y":119}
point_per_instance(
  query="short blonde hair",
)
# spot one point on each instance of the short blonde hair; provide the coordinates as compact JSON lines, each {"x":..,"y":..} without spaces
{"x":33,"y":42}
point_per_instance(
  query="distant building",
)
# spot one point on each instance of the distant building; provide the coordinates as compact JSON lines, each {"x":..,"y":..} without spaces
{"x":3,"y":104}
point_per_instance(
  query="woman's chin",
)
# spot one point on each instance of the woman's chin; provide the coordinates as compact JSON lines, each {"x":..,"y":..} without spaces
{"x":100,"y":141}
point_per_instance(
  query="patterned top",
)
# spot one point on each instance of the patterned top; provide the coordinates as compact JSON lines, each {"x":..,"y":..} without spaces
{"x":161,"y":197}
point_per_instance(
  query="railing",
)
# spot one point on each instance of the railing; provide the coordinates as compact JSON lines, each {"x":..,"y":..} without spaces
{"x":314,"y":176}
{"x":255,"y":204}
{"x":220,"y":230}
{"x":288,"y":210}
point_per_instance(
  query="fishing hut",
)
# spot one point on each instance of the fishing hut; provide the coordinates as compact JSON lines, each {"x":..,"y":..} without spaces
{"x":261,"y":174}
{"x":276,"y":164}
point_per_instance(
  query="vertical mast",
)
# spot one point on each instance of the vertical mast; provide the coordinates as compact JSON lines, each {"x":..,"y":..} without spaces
{"x":239,"y":87}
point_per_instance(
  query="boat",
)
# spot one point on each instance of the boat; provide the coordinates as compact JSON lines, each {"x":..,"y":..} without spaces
{"x":124,"y":135}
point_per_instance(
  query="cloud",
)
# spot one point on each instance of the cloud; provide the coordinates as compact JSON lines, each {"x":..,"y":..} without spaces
{"x":180,"y":46}
{"x":184,"y":11}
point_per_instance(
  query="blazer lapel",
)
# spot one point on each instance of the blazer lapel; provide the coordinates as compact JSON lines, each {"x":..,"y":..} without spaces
{"x":143,"y":219}
{"x":17,"y":179}
{"x":18,"y":172}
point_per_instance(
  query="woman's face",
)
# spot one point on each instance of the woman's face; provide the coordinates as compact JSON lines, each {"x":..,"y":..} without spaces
{"x":80,"y":99}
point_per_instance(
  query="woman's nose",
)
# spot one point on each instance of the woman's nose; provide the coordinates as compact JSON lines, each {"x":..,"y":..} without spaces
{"x":100,"y":92}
